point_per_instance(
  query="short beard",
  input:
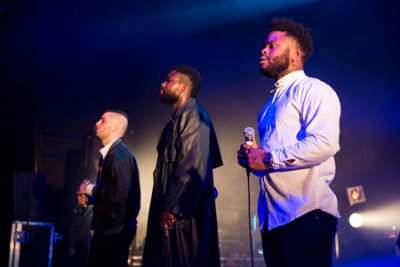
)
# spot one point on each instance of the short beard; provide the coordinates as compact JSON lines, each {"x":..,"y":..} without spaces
{"x":169,"y":99}
{"x":276,"y":66}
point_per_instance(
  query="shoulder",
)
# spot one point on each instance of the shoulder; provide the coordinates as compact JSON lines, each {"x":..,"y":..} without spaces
{"x":195,"y":112}
{"x":192,"y":119}
{"x":120,"y":149}
{"x":313,"y":88}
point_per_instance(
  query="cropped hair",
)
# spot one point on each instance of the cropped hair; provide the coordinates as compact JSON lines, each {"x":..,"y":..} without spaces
{"x":117,"y":111}
{"x":193,"y":75}
{"x":122,"y":121}
{"x":297,"y":31}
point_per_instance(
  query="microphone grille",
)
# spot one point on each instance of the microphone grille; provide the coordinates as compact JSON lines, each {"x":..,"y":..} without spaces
{"x":249,"y":132}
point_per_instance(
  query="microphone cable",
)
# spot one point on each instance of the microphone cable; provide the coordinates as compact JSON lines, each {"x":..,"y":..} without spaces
{"x":249,"y":134}
{"x":249,"y":214}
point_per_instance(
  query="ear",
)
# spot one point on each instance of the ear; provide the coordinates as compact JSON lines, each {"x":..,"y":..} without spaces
{"x":183,"y":88}
{"x":295,"y":57}
{"x":296,"y":54}
{"x":115,"y":127}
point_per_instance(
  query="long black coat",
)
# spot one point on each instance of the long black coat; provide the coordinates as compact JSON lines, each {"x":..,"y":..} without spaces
{"x":183,"y":185}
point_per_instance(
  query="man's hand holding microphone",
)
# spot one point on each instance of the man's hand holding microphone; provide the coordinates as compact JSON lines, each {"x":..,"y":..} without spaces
{"x":81,"y":193}
{"x":250,"y":156}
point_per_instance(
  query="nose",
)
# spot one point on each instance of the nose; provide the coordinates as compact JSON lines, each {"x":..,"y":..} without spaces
{"x":163,"y":84}
{"x":98,"y":122}
{"x":264,"y":51}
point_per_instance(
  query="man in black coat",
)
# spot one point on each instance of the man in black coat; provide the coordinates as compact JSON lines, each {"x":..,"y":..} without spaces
{"x":115,"y":196}
{"x":182,"y":225}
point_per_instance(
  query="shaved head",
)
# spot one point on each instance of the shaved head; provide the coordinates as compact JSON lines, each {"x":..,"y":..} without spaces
{"x":112,"y":125}
{"x":119,"y":121}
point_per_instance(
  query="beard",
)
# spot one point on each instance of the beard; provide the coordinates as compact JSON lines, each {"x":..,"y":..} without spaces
{"x":276,"y":65}
{"x":169,"y":98}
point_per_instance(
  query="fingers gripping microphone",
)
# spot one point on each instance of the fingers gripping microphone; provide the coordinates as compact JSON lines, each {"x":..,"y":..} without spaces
{"x":86,"y":181}
{"x":249,"y":138}
{"x":249,"y":135}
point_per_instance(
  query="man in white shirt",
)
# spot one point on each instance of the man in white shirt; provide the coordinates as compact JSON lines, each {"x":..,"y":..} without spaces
{"x":115,"y":196}
{"x":299,"y":136}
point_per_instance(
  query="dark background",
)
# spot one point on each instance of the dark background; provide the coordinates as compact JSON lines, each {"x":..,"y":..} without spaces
{"x":64,"y":62}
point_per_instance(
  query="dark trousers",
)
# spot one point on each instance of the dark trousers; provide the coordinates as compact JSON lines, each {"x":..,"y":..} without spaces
{"x":304,"y":242}
{"x":110,"y":251}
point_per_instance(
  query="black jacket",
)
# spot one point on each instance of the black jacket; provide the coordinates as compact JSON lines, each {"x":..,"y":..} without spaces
{"x":117,"y":193}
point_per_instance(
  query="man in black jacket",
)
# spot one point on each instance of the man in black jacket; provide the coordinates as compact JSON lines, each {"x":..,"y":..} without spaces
{"x":182,"y":224}
{"x":115,"y":196}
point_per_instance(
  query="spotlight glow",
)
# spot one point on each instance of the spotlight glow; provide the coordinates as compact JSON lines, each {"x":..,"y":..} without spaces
{"x":356,"y":220}
{"x":385,"y":218}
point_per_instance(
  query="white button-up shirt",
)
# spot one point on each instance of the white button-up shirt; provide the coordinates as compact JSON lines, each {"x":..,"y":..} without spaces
{"x":299,"y":126}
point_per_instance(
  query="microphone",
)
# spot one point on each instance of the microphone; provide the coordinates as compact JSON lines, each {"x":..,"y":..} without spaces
{"x":248,"y":138}
{"x":249,"y":135}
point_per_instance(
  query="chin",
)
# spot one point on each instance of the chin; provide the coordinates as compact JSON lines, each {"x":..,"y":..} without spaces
{"x":266,"y":72}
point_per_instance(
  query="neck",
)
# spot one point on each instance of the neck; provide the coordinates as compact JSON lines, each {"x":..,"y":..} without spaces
{"x":108,"y":140}
{"x":288,"y":70}
{"x":182,"y":100}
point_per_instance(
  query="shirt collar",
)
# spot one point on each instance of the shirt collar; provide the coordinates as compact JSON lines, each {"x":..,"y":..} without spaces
{"x":104,"y":150}
{"x":288,"y":79}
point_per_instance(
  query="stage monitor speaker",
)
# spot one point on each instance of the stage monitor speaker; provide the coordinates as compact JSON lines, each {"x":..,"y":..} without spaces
{"x":29,"y":196}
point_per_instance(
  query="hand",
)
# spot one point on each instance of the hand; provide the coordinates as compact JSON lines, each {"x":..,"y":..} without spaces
{"x":259,"y":159}
{"x":82,"y":198}
{"x":82,"y":188}
{"x":167,"y":222}
{"x":242,"y":153}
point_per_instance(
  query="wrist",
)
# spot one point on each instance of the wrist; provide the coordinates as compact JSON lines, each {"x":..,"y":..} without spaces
{"x":267,"y":160}
{"x":89,"y":189}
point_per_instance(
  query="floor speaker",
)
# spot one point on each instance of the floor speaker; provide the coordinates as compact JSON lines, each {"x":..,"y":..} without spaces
{"x":29,"y":196}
